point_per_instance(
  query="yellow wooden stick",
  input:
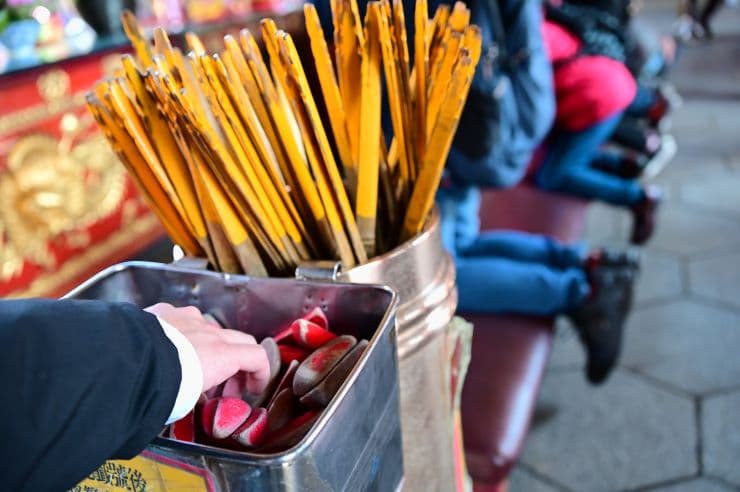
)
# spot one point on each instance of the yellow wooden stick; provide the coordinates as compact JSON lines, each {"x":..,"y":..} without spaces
{"x":225,"y":259}
{"x":422,"y":198}
{"x":347,"y":46}
{"x":408,"y":168}
{"x":211,"y":237}
{"x":460,"y":17}
{"x":395,"y":88}
{"x":299,"y":165}
{"x":290,"y":158}
{"x":136,"y":35}
{"x":438,"y":28}
{"x":127,"y":113}
{"x":163,"y":48}
{"x":329,"y":87}
{"x":330,"y":167}
{"x":235,"y":64}
{"x":252,"y":164}
{"x":421,"y":61}
{"x":235,"y":160}
{"x":339,"y":239}
{"x":266,"y":164}
{"x":439,"y":85}
{"x":366,"y":205}
{"x":124,"y":145}
{"x":255,"y":77}
{"x":252,"y":223}
{"x":230,"y":174}
{"x":319,"y":156}
{"x":241,"y":244}
{"x":169,"y":152}
{"x":195,"y":44}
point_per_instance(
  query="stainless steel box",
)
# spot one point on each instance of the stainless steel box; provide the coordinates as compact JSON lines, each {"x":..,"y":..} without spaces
{"x":356,"y":443}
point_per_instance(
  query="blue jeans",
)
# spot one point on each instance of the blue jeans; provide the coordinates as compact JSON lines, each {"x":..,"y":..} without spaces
{"x":645,"y":99}
{"x":567,"y":166}
{"x":507,"y":271}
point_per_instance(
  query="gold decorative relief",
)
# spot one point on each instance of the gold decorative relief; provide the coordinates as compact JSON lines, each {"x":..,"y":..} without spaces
{"x":54,"y":87}
{"x":53,"y":189}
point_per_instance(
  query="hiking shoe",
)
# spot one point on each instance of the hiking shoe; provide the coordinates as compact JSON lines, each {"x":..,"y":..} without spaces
{"x":644,"y":215}
{"x":609,"y":257}
{"x":658,"y":161}
{"x":600,"y":320}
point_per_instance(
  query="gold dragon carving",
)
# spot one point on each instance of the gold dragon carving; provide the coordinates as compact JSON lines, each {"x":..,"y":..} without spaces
{"x":53,"y":188}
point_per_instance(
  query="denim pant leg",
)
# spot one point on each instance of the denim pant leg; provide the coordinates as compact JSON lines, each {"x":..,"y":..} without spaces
{"x":489,"y":285}
{"x":645,"y":99}
{"x":460,"y":223}
{"x":567,"y":167}
{"x":525,"y":247}
{"x":447,"y":221}
{"x":609,"y":159}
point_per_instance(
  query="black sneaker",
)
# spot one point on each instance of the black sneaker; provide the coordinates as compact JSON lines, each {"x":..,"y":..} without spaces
{"x":644,"y":215}
{"x":609,"y":257}
{"x":600,"y":320}
{"x":661,"y":158}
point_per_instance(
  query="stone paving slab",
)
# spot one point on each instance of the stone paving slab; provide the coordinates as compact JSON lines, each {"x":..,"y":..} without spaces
{"x":661,"y":278}
{"x":567,"y":351}
{"x":522,"y":481}
{"x":605,"y":224}
{"x":623,"y":435}
{"x":720,"y":424}
{"x":684,"y":170}
{"x":686,"y":344}
{"x":697,"y":74}
{"x":718,"y":194}
{"x":717,"y":277}
{"x":698,"y":485}
{"x":683,"y":230}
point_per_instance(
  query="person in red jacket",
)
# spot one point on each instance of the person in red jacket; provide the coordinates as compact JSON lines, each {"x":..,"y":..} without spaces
{"x":593,"y":88}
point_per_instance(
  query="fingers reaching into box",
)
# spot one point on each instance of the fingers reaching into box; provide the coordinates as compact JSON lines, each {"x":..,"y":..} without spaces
{"x":222,"y":353}
{"x":307,"y":365}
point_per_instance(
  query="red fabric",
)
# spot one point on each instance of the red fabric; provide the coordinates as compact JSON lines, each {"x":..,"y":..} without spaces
{"x":588,"y":89}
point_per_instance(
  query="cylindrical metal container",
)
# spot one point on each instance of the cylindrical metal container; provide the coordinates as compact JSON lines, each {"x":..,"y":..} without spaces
{"x":355,"y":445}
{"x":423,"y":274}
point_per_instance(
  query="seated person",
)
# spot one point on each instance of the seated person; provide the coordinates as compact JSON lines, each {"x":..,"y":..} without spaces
{"x":593,"y":88}
{"x":640,"y":146}
{"x":506,"y":272}
{"x":698,"y":23}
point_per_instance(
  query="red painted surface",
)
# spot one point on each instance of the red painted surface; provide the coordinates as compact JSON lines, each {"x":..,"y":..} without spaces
{"x":28,"y":110}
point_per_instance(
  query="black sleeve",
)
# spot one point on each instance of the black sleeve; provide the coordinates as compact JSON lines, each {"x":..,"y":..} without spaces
{"x":80,"y":382}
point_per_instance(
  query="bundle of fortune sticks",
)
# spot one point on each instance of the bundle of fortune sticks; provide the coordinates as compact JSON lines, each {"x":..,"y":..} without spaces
{"x":233,"y":155}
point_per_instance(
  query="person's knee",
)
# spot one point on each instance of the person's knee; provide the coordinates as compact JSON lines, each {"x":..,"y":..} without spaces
{"x":552,"y":177}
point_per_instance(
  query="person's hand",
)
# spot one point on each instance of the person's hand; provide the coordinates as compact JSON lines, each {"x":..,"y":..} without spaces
{"x":222,"y":352}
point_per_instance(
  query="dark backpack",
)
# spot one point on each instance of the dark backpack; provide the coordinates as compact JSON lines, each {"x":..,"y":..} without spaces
{"x":511,"y":104}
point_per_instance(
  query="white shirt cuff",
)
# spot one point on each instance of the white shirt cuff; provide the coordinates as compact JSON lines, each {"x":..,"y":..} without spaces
{"x":191,"y":383}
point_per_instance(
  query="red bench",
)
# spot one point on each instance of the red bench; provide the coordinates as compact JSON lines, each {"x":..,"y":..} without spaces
{"x":510,"y":353}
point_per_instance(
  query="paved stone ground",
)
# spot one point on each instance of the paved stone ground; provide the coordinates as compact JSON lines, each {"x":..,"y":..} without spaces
{"x":668,"y":420}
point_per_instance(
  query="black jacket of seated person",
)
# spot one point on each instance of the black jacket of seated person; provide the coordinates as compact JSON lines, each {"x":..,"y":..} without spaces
{"x":82,"y":382}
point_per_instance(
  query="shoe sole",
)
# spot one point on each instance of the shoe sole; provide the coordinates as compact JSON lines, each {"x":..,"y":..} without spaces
{"x":670,"y":93}
{"x":659,"y":161}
